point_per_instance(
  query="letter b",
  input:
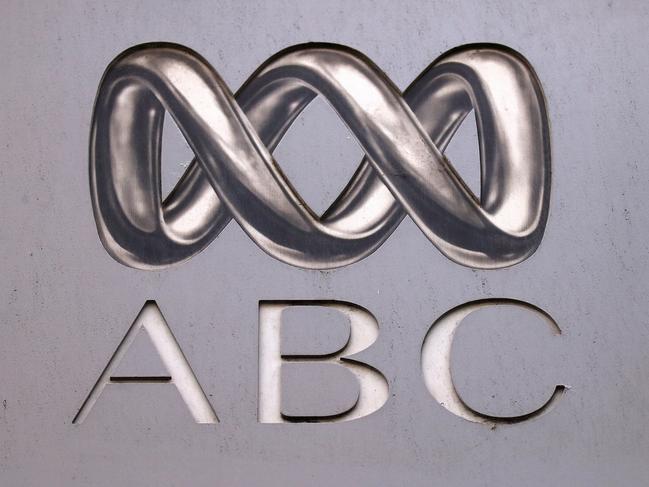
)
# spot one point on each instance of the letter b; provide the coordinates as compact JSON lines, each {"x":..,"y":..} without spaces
{"x":278,"y":347}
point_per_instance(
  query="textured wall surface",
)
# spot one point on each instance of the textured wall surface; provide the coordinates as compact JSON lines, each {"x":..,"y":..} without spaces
{"x":65,"y":304}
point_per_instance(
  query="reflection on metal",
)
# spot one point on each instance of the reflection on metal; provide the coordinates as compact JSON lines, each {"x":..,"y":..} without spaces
{"x":436,"y":362}
{"x":403,"y":136}
{"x":364,"y":330}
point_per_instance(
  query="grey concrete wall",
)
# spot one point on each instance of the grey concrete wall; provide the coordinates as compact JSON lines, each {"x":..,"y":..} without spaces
{"x":65,"y":304}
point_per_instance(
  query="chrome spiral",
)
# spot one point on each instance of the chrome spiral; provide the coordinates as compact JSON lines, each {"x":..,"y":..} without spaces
{"x":404,"y":171}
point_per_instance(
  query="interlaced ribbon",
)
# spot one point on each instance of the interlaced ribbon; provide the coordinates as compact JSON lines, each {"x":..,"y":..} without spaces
{"x":403,"y":172}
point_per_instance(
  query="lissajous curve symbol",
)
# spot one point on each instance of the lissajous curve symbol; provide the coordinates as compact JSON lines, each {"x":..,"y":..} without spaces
{"x":403,"y":172}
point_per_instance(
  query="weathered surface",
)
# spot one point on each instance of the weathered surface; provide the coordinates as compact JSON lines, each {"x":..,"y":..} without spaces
{"x":66,"y":304}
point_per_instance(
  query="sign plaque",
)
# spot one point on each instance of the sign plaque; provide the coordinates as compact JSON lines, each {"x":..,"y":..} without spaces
{"x":306,"y":243}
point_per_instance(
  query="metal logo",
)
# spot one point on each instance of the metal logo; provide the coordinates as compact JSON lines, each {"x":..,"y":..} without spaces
{"x":404,"y":171}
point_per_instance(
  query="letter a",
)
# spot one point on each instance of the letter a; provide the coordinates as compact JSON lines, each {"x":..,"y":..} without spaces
{"x":180,"y":373}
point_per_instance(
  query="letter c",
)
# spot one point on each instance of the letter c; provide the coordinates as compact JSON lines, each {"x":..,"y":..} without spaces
{"x":436,"y":362}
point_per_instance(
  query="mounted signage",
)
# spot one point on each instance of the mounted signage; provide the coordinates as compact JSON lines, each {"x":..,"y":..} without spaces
{"x":335,"y":275}
{"x":234,"y":175}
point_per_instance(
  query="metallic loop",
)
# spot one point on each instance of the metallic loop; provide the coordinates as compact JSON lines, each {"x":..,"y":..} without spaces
{"x":404,"y":171}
